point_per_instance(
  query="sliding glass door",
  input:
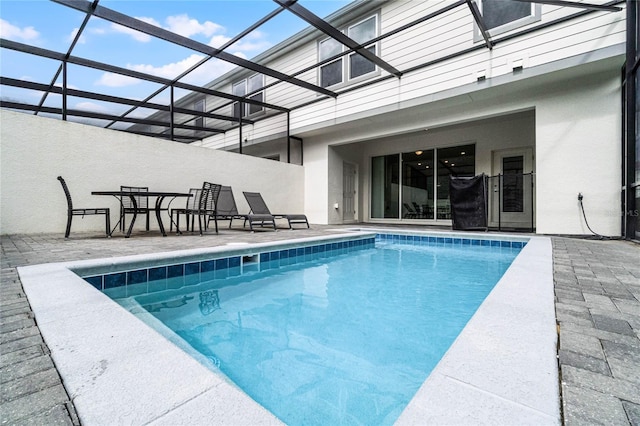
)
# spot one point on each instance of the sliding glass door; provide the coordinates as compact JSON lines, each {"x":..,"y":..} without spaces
{"x":415,"y":185}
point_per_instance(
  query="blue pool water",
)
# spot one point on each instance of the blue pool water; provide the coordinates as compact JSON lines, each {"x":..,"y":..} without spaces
{"x":332,"y":339}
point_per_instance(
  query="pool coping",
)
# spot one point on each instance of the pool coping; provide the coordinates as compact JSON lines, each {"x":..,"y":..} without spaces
{"x":115,"y":370}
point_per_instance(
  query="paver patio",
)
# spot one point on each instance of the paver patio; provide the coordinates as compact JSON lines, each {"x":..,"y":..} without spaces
{"x":597,"y":286}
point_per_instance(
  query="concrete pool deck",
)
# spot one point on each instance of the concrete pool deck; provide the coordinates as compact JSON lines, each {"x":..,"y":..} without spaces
{"x":32,"y":390}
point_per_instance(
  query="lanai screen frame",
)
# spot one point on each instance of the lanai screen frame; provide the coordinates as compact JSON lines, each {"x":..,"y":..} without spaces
{"x":93,"y":9}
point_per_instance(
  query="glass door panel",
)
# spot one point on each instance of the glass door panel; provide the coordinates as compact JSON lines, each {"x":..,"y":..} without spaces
{"x":511,"y":196}
{"x":417,"y":185}
{"x":512,"y":184}
{"x":385,"y":187}
{"x":457,"y":161}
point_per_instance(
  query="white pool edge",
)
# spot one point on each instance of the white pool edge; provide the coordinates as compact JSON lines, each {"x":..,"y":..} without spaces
{"x":502,"y":369}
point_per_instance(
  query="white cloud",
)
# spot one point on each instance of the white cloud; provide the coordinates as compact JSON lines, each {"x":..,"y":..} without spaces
{"x":203,"y":74}
{"x":185,"y":26}
{"x":179,"y":24}
{"x":171,"y":70}
{"x":254,"y":42}
{"x":92,"y":107}
{"x":81,"y":40}
{"x":207,"y":72}
{"x":218,"y":40}
{"x":116,"y":80}
{"x":10,"y":31}
{"x":137,"y":35}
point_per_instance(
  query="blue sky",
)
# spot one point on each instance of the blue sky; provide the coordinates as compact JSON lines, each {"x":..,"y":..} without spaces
{"x":52,"y":26}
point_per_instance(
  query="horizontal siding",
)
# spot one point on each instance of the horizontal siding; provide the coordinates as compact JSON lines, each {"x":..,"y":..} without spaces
{"x":447,"y":34}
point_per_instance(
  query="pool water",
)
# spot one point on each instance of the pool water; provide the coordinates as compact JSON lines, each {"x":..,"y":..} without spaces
{"x":346,"y":339}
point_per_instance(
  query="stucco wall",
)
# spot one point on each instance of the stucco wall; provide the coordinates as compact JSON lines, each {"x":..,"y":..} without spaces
{"x":573,"y":125}
{"x":578,"y":150}
{"x":35,"y":150}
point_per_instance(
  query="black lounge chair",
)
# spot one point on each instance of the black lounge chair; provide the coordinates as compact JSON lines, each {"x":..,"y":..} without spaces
{"x":227,"y":210}
{"x":411,"y":213}
{"x":258,"y":206}
{"x":83,"y":212}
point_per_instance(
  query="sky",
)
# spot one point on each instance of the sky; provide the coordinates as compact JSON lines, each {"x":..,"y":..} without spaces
{"x":52,"y":26}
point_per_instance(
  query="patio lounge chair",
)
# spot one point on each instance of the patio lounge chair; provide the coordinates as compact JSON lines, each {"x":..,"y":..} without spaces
{"x":411,"y":213}
{"x":82,"y":212}
{"x":258,"y":206}
{"x":227,"y":210}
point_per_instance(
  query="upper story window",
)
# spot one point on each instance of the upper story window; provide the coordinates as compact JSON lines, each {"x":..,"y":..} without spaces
{"x":242,"y":88}
{"x":501,"y":16}
{"x":355,"y":66}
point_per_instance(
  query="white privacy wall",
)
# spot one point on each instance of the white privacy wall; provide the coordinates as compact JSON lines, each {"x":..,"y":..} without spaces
{"x":35,"y":150}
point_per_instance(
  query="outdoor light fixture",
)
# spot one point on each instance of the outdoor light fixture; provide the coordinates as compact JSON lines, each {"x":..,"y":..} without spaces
{"x":517,"y":65}
{"x":418,"y":152}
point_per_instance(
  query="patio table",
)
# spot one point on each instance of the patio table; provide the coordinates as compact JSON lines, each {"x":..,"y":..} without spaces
{"x":160,"y":196}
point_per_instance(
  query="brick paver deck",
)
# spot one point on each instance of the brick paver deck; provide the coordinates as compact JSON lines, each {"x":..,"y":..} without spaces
{"x":597,"y":303}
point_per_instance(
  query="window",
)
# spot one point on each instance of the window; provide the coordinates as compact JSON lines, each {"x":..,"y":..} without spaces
{"x":330,"y":74}
{"x":247,"y":86}
{"x":501,"y":16}
{"x":362,"y":32}
{"x":356,"y":65}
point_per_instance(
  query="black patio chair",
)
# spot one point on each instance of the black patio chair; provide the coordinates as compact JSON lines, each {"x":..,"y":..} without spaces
{"x":258,"y":206}
{"x":126,"y":204}
{"x":227,"y":210}
{"x":83,"y":212}
{"x":190,"y":210}
{"x":207,"y":205}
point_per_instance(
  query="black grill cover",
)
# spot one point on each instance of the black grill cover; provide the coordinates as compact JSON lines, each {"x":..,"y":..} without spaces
{"x":468,"y":197}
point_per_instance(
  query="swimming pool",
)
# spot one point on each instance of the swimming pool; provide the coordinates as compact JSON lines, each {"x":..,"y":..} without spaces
{"x":336,"y":336}
{"x":86,"y":327}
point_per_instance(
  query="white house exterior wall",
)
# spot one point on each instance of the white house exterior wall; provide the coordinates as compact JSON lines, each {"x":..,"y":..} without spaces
{"x":589,"y":49}
{"x":448,"y":33}
{"x":574,"y":131}
{"x":578,"y":151}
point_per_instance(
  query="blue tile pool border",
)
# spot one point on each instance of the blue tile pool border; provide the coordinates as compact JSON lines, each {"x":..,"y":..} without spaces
{"x":173,"y":276}
{"x":158,"y":278}
{"x":431,"y":240}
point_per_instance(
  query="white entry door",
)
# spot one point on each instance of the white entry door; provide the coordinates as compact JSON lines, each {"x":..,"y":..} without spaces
{"x":511,"y":196}
{"x":348,"y":192}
